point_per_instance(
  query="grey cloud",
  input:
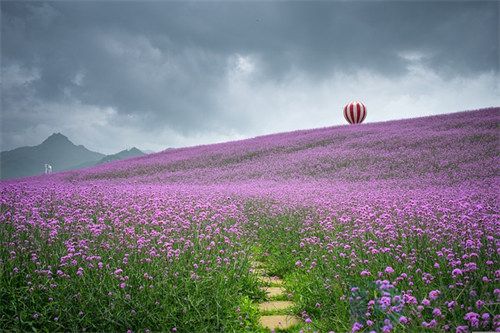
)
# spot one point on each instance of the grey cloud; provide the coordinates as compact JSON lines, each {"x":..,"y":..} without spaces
{"x":164,"y":65}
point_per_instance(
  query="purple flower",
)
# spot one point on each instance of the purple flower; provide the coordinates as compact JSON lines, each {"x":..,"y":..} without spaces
{"x":450,"y":304}
{"x":430,"y":324}
{"x":456,"y":272}
{"x":387,"y":328}
{"x":385,"y":302}
{"x":409,"y":299}
{"x":434,"y":294}
{"x":436,"y":312}
{"x":470,"y":266}
{"x":389,"y":270}
{"x":472,"y":318}
{"x":356,"y":327}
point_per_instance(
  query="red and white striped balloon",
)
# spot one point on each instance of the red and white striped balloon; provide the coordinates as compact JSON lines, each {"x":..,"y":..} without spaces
{"x":355,"y":112}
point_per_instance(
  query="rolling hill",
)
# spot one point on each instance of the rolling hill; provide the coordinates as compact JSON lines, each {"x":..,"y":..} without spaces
{"x":452,"y":147}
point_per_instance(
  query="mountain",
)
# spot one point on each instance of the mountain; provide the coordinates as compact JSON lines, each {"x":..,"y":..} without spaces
{"x":124,"y":154}
{"x":57,"y":150}
{"x":132,"y":152}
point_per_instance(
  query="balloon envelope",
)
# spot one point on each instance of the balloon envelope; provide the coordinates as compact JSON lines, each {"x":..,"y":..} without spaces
{"x":355,"y":112}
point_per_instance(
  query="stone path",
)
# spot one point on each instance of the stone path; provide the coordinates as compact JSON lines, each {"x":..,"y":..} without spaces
{"x":275,"y":314}
{"x":271,"y":280}
{"x":274,"y":291}
{"x":275,"y":305}
{"x":283,"y":322}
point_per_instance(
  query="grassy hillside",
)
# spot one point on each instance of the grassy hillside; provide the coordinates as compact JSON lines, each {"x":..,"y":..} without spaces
{"x":456,"y":147}
{"x":385,"y":227}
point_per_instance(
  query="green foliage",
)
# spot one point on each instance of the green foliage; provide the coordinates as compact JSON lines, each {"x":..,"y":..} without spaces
{"x":157,"y":295}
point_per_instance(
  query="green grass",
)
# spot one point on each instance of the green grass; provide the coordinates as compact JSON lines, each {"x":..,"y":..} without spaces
{"x":221,"y":298}
{"x":217,"y":300}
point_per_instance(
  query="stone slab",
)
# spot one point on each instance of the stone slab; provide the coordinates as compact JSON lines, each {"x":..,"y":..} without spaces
{"x":271,"y":280}
{"x":274,"y":291}
{"x":275,"y":305}
{"x":259,"y":271}
{"x":278,"y":321}
{"x":256,"y":264}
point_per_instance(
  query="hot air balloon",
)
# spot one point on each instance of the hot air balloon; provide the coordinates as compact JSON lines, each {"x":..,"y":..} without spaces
{"x":355,"y":112}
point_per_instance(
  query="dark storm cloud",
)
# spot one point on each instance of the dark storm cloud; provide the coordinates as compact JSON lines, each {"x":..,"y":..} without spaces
{"x":162,"y":64}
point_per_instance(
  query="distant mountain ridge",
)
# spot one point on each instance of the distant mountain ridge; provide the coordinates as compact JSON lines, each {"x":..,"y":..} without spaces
{"x":58,"y":151}
{"x":132,"y":152}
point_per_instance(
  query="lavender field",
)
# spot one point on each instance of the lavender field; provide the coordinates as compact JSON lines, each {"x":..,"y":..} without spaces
{"x":384,"y":227}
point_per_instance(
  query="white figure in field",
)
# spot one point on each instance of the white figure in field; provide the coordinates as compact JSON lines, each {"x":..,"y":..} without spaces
{"x":48,"y":169}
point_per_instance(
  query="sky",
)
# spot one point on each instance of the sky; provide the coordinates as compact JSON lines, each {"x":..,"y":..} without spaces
{"x":112,"y":75}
